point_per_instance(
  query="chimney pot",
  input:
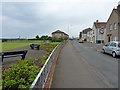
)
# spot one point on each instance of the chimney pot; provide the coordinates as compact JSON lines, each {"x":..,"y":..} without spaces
{"x":118,"y":7}
{"x":97,"y":20}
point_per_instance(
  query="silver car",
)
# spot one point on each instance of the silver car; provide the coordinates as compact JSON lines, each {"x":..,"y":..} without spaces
{"x":113,"y":48}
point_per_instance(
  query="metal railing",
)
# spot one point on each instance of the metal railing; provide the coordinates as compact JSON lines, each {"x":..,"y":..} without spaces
{"x":41,"y":78}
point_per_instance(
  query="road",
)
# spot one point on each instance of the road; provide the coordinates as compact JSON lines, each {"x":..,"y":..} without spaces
{"x":81,"y":66}
{"x":102,"y":63}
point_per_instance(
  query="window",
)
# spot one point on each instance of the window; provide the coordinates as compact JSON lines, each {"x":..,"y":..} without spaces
{"x":107,"y":44}
{"x":110,"y":27}
{"x":115,"y":39}
{"x":113,"y":44}
{"x":119,"y":45}
{"x":115,"y":26}
{"x":93,"y":31}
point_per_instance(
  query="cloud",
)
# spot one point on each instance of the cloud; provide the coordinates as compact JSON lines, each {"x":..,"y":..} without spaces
{"x":28,"y":19}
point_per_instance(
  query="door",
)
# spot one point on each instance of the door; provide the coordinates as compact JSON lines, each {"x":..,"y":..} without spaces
{"x":108,"y":38}
{"x":107,"y":47}
{"x":112,"y":47}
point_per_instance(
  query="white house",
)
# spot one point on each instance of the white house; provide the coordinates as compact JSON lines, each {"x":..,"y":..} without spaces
{"x":98,"y":32}
{"x":89,"y":35}
{"x":86,"y":34}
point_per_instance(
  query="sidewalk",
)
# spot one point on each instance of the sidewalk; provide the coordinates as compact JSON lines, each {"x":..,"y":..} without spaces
{"x":72,"y":72}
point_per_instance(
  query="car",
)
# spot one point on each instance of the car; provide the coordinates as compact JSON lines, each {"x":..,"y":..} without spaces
{"x":81,"y":41}
{"x":112,"y":48}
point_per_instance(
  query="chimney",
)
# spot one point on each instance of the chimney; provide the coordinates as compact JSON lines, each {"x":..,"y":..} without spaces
{"x":97,"y":21}
{"x":118,"y":7}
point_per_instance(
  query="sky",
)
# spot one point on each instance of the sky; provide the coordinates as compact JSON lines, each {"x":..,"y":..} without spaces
{"x":26,"y":19}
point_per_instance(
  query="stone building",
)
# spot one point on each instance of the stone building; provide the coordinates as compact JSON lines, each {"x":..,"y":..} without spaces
{"x":80,"y":35}
{"x":113,"y":25}
{"x":60,"y":34}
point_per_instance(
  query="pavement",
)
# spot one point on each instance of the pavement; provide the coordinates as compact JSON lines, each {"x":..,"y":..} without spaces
{"x":72,"y":71}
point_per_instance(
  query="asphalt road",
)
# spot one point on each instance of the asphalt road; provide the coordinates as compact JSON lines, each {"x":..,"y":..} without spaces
{"x":105,"y":65}
{"x":81,"y":66}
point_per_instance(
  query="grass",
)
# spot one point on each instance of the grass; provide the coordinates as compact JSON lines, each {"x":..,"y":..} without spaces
{"x":20,"y":43}
{"x":17,"y":43}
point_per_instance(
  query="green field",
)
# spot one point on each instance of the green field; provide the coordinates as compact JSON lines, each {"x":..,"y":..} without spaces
{"x":20,"y":43}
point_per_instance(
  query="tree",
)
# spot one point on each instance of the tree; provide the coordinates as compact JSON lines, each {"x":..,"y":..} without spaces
{"x":37,"y":37}
{"x":44,"y":38}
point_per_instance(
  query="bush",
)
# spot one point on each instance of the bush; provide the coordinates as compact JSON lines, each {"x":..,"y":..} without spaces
{"x":56,"y":40}
{"x":20,"y":75}
{"x":43,"y":60}
{"x":54,"y":44}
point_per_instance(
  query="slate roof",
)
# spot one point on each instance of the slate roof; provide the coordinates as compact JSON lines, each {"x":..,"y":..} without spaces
{"x":100,"y":24}
{"x":86,"y":30}
{"x":58,"y":31}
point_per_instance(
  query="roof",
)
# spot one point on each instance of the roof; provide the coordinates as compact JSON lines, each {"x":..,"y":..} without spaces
{"x":58,"y":31}
{"x":100,"y":24}
{"x":86,"y":30}
{"x":114,"y":10}
{"x":117,"y":11}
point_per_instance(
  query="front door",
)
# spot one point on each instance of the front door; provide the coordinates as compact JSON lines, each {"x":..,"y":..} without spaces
{"x":108,"y":38}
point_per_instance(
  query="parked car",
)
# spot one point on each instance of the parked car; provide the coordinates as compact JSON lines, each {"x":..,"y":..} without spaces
{"x":81,"y":41}
{"x":112,"y":48}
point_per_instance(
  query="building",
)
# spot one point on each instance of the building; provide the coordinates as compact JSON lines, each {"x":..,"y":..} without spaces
{"x":89,"y":35}
{"x":113,"y":25}
{"x":118,"y":8}
{"x":85,"y":35}
{"x":80,"y":35}
{"x":98,"y":32}
{"x":60,"y":34}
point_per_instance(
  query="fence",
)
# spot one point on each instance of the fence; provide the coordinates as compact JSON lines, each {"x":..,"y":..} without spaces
{"x":41,"y":78}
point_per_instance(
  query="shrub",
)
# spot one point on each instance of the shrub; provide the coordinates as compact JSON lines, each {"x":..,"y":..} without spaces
{"x":54,"y":44}
{"x":20,"y":75}
{"x":49,"y":49}
{"x":56,"y":40}
{"x":43,"y":60}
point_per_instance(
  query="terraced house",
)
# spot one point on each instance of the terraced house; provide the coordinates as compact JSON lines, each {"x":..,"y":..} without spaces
{"x":99,"y":32}
{"x":86,"y":34}
{"x":60,"y":34}
{"x":113,"y":25}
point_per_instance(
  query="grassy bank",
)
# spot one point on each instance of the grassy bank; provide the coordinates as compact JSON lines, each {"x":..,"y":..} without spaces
{"x":20,"y":43}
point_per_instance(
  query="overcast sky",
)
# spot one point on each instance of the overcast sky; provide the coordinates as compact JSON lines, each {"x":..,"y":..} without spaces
{"x":28,"y":19}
